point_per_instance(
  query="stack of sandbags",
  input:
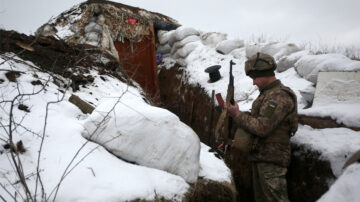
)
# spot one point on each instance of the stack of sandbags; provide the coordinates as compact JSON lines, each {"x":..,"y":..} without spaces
{"x":280,"y":52}
{"x":309,"y":66}
{"x":163,"y":46}
{"x":97,"y":33}
{"x":178,"y":43}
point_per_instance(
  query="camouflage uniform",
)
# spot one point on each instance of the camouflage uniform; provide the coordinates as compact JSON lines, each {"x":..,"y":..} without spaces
{"x":272,"y":120}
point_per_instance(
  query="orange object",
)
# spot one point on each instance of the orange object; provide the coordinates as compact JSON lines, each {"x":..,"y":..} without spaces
{"x":220,"y":100}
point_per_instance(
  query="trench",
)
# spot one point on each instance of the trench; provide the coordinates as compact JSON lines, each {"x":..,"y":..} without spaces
{"x":308,"y":176}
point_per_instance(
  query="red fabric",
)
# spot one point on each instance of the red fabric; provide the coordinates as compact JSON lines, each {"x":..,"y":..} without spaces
{"x":132,"y":21}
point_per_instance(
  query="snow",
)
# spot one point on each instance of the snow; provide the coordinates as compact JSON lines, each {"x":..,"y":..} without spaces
{"x":213,"y":168}
{"x":334,"y":144}
{"x":95,"y":174}
{"x":144,"y":134}
{"x":337,"y":96}
{"x":309,"y":66}
{"x":346,"y":188}
{"x":289,"y":61}
{"x":227,"y":46}
{"x":186,"y":50}
{"x":275,"y":49}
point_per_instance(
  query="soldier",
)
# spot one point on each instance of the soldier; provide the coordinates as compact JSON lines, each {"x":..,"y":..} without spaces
{"x":272,"y":121}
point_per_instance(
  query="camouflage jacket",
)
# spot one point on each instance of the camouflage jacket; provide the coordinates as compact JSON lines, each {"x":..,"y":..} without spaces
{"x":272,"y":120}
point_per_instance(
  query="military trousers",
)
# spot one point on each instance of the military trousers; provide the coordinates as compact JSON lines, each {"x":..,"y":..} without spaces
{"x":269,"y":182}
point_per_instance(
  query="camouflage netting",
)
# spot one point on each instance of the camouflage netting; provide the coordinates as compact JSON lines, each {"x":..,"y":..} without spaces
{"x":100,"y":23}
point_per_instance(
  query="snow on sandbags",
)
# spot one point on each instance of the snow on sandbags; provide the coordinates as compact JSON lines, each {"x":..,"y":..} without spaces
{"x":146,"y":135}
{"x":183,"y":52}
{"x":289,"y":61}
{"x":181,"y":33}
{"x":226,"y":46}
{"x":309,"y":66}
{"x":179,"y":44}
{"x":212,"y":39}
{"x":279,"y":50}
{"x":276,"y":49}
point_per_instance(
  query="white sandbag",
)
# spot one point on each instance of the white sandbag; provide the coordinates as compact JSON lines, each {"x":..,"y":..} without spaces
{"x":164,"y":36}
{"x":212,"y":39}
{"x":252,"y":50}
{"x":289,"y":61}
{"x":93,"y":27}
{"x":238,"y":53}
{"x":226,"y":46}
{"x":309,"y":66}
{"x":279,"y":50}
{"x":179,"y":44}
{"x":275,"y":49}
{"x":163,"y":49}
{"x":186,"y":50}
{"x":181,"y":62}
{"x":147,"y":135}
{"x":181,"y":33}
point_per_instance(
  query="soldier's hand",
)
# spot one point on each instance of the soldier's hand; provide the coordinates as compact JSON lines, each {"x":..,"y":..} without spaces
{"x":233,"y":110}
{"x":225,"y":146}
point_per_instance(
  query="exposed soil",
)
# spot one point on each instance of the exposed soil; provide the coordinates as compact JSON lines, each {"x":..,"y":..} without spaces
{"x":322,"y":122}
{"x":12,"y":75}
{"x":308,"y":176}
{"x":52,"y":55}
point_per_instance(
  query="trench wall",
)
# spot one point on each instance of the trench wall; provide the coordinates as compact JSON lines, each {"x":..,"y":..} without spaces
{"x":308,"y":176}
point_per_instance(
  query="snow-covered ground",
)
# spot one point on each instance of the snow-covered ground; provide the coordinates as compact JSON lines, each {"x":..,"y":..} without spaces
{"x":91,"y":172}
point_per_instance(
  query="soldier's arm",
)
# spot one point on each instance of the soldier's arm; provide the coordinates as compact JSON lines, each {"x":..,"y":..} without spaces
{"x":272,"y":112}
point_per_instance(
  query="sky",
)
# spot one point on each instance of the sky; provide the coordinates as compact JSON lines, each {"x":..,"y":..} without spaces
{"x":320,"y":21}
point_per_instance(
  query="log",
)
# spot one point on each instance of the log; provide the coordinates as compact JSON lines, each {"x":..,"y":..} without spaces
{"x":85,"y":107}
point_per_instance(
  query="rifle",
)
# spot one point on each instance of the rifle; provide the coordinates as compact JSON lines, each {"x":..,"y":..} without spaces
{"x":224,"y":118}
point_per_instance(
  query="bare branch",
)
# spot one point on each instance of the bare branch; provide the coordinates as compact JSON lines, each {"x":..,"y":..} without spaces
{"x":67,"y":171}
{"x":7,"y":191}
